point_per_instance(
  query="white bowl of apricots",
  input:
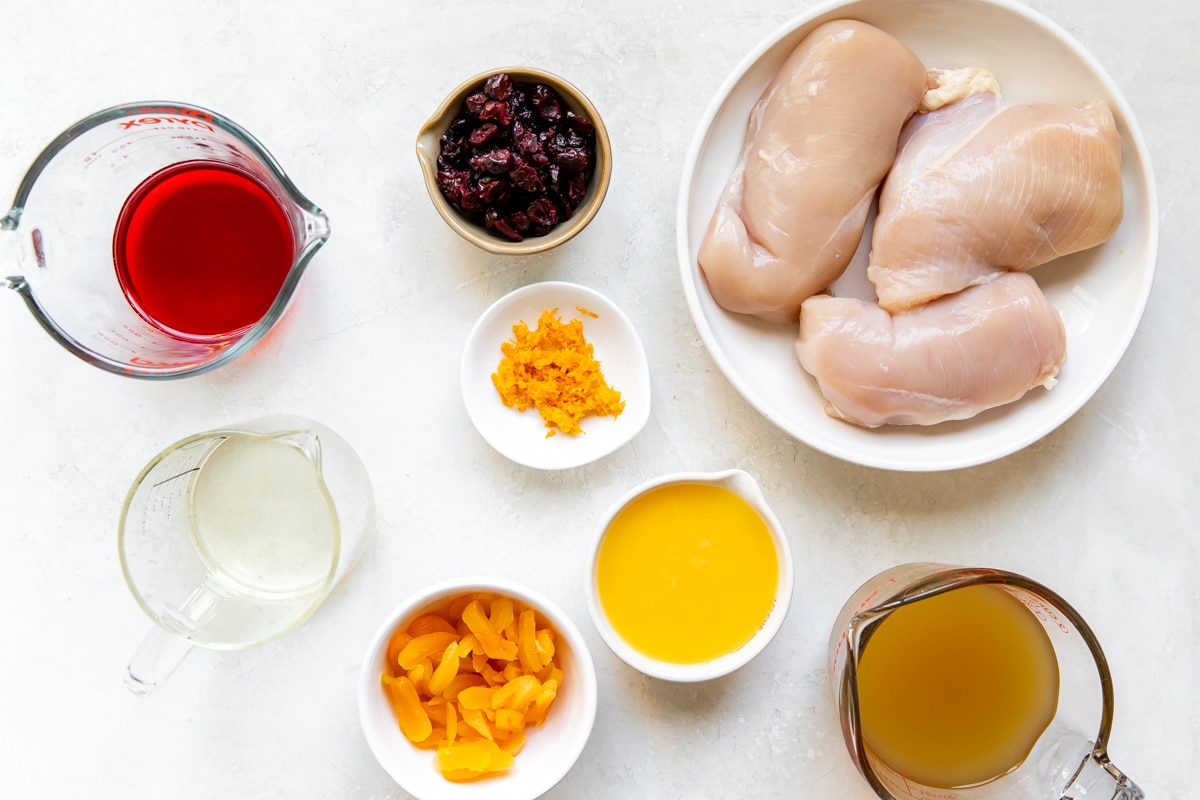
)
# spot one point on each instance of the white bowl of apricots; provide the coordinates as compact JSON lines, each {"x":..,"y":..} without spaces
{"x":477,"y":688}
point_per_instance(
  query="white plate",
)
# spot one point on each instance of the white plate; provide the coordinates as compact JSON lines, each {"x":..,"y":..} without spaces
{"x":521,"y":437}
{"x":1100,"y":293}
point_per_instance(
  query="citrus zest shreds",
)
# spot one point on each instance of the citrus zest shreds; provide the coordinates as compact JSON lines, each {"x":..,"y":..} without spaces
{"x":452,"y":693}
{"x":552,"y":369}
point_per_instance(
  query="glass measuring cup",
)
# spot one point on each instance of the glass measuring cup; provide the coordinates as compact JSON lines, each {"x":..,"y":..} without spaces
{"x":157,"y":239}
{"x":233,"y":537}
{"x":1068,"y":760}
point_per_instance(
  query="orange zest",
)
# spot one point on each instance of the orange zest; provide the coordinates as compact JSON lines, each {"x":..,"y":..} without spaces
{"x":552,"y":368}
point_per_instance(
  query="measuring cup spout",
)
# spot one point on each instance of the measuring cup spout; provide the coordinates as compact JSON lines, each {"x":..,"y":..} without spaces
{"x":166,"y":646}
{"x":316,"y":227}
{"x":308,"y":442}
{"x":11,"y":253}
{"x":14,"y":282}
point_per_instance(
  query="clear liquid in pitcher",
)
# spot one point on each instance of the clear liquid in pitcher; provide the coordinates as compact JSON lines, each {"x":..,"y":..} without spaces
{"x":202,"y":249}
{"x":264,"y":526}
{"x":955,"y":689}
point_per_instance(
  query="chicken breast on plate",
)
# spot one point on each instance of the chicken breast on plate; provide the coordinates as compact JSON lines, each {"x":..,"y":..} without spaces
{"x":950,"y":359}
{"x":819,"y":142}
{"x":980,"y":187}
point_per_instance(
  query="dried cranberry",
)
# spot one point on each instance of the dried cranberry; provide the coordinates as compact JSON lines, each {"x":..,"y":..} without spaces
{"x":526,"y":177}
{"x":451,"y":185}
{"x":525,"y":139}
{"x":451,"y":149}
{"x":581,"y":125}
{"x":475,"y":102}
{"x":571,"y":160}
{"x":546,"y":102}
{"x":461,"y":126}
{"x":576,"y":188}
{"x":516,"y":159}
{"x":519,"y":221}
{"x":493,"y":190}
{"x":497,"y":110}
{"x":481,"y":135}
{"x":472,"y":200}
{"x":523,"y":110}
{"x":543,"y":212}
{"x":498,"y":86}
{"x":495,"y":162}
{"x":503,"y":225}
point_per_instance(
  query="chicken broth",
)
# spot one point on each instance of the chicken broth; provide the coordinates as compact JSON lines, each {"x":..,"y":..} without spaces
{"x":955,"y":689}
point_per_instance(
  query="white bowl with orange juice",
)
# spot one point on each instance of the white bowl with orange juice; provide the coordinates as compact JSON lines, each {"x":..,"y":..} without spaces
{"x":690,"y":575}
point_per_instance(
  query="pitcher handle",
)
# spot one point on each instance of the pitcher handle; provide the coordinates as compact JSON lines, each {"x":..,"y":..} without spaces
{"x":1099,"y":779}
{"x":168,"y":643}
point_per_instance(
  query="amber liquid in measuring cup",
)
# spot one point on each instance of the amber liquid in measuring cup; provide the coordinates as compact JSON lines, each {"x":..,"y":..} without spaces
{"x":956,"y":689}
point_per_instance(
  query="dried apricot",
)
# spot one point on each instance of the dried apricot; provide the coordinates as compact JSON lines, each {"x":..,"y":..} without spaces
{"x":469,"y":679}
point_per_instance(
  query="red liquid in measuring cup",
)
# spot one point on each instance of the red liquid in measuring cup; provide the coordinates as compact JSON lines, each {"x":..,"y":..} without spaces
{"x":202,"y":249}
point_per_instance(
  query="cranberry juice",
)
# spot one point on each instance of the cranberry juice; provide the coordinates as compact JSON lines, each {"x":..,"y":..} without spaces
{"x":202,"y":249}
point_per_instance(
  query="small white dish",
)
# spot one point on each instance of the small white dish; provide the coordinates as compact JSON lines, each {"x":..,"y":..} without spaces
{"x":521,"y":436}
{"x":1101,"y":293}
{"x":550,"y":750}
{"x":742,"y":484}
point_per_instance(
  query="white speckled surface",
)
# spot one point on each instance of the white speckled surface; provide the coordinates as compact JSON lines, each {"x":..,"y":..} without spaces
{"x":1104,"y":510}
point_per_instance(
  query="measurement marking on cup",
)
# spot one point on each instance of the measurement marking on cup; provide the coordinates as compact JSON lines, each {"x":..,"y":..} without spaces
{"x":173,"y":477}
{"x":39,"y":248}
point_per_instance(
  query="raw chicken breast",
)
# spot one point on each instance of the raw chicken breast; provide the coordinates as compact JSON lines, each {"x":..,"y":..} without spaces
{"x":980,"y":187}
{"x":950,"y":359}
{"x":820,"y":140}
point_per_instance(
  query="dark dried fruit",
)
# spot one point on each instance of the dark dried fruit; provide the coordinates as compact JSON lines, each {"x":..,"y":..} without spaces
{"x":480,"y":136}
{"x":572,"y":159}
{"x":475,"y":102}
{"x":526,"y":177}
{"x":576,"y":188}
{"x":519,"y":220}
{"x":498,"y":86}
{"x":546,"y":102}
{"x":493,"y":190}
{"x":515,"y":159}
{"x":581,"y":125}
{"x":543,"y":212}
{"x":496,"y":162}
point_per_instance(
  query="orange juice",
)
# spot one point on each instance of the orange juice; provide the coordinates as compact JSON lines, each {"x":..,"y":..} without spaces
{"x":687,"y":572}
{"x":955,"y":689}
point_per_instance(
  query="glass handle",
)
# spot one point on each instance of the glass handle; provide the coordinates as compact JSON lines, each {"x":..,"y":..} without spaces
{"x":1099,"y":779}
{"x":167,"y":645}
{"x":159,"y":655}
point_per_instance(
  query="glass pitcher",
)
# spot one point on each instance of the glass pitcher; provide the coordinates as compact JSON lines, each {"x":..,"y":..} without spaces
{"x":1067,"y":761}
{"x":157,"y":239}
{"x":232,"y":538}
